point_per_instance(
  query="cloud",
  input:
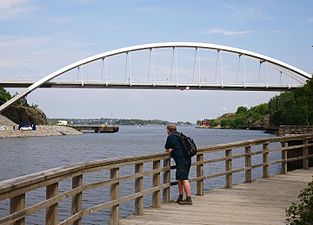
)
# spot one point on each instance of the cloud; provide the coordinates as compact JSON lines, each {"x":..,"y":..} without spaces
{"x":10,"y":9}
{"x":247,"y":13}
{"x":309,"y":20}
{"x":63,"y":20}
{"x":39,"y":54}
{"x":229,"y":33}
{"x":277,"y":31}
{"x":84,"y":2}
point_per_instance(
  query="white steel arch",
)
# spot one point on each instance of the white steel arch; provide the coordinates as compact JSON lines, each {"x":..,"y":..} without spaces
{"x":300,"y":73}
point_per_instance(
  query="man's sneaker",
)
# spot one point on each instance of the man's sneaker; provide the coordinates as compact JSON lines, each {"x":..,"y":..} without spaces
{"x":179,"y":199}
{"x":188,"y":201}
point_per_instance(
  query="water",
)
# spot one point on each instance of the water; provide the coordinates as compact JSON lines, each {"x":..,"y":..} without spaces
{"x":21,"y":156}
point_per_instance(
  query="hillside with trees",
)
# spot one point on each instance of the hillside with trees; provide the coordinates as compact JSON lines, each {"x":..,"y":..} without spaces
{"x":292,"y":108}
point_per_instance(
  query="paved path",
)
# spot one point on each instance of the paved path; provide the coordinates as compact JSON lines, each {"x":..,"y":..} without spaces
{"x":262,"y":202}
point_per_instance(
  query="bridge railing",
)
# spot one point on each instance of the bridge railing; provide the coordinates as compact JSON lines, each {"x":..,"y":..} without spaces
{"x":158,"y":169}
{"x":294,"y":129}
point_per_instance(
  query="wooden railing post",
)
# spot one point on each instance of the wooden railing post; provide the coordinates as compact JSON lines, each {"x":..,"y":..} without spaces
{"x":228,"y":168}
{"x":77,"y":200}
{"x":282,"y":130}
{"x":284,"y":156}
{"x":200,"y":185}
{"x":248,"y":176}
{"x":138,"y":188}
{"x":17,"y":203}
{"x":265,"y":160}
{"x":167,"y":180}
{"x":305,"y":154}
{"x":155,"y":183}
{"x":52,"y":211}
{"x":114,"y":193}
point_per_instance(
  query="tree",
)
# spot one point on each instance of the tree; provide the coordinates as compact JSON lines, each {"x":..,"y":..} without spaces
{"x":302,"y":213}
{"x":293,"y":108}
{"x":4,"y":95}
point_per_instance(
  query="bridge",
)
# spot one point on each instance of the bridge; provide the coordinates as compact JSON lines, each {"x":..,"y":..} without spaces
{"x":126,"y":183}
{"x":171,"y":65}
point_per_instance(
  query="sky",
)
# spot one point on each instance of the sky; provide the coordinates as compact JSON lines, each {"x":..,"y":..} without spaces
{"x":39,"y":37}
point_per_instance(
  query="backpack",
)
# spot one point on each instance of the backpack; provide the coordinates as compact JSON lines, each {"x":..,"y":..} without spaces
{"x":188,"y":144}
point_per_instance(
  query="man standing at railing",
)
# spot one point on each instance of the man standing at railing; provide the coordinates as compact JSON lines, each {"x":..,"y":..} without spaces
{"x":183,"y":163}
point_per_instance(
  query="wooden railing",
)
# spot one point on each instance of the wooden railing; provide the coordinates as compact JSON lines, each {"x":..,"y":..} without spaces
{"x":16,"y":190}
{"x":294,"y":129}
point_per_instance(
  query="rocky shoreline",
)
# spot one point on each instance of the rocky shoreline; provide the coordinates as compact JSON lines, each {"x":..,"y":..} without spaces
{"x":41,"y":131}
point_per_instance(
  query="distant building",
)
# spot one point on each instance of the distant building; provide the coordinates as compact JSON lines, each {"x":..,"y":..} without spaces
{"x":62,"y":122}
{"x":205,"y":123}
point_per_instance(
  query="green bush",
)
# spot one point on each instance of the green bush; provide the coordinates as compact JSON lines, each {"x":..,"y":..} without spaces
{"x":302,"y":213}
{"x":4,"y":95}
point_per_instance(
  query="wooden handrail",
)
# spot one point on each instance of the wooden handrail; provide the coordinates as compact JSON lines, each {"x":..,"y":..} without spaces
{"x":16,"y":189}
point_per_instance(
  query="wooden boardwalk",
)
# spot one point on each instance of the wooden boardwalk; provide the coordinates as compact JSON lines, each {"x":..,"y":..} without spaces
{"x":262,"y":202}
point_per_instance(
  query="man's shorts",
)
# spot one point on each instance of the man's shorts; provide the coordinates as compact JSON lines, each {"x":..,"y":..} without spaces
{"x":182,"y":169}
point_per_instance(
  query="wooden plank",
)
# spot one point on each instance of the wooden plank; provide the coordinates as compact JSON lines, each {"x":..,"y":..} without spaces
{"x":248,"y":175}
{"x":199,"y":169}
{"x":262,"y":202}
{"x":284,"y":156}
{"x":305,"y":154}
{"x":166,"y":179}
{"x":228,"y":167}
{"x":52,"y":211}
{"x":138,"y":188}
{"x":77,"y":199}
{"x":155,"y":183}
{"x":265,"y":160}
{"x":18,"y":203}
{"x":114,"y":195}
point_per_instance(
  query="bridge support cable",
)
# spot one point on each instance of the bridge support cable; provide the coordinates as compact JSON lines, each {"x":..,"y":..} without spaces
{"x":238,"y":67}
{"x":194,"y":65}
{"x":266,"y":69}
{"x":259,"y":75}
{"x":222,"y":70}
{"x":102,"y":69}
{"x":129,"y":69}
{"x":172,"y":63}
{"x":176,"y":65}
{"x":244,"y":72}
{"x":126,"y":66}
{"x":78,"y":74}
{"x":153,"y":69}
{"x":149,"y":66}
{"x":216,"y":65}
{"x":199,"y":69}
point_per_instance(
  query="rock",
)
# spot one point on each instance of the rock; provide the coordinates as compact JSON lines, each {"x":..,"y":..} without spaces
{"x":21,"y":114}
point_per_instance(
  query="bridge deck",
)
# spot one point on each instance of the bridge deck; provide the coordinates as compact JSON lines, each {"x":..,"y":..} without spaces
{"x":262,"y":202}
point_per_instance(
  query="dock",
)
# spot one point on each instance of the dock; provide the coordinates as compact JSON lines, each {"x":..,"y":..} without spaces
{"x":96,"y":128}
{"x":262,"y":202}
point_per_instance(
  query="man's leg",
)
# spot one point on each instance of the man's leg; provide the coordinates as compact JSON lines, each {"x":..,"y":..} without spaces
{"x":180,"y":191}
{"x":187,"y":189}
{"x":180,"y":187}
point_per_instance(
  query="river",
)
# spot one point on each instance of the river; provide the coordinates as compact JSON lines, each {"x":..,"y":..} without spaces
{"x":21,"y":156}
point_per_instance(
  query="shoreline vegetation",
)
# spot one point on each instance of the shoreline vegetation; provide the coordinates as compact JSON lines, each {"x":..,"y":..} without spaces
{"x":288,"y":108}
